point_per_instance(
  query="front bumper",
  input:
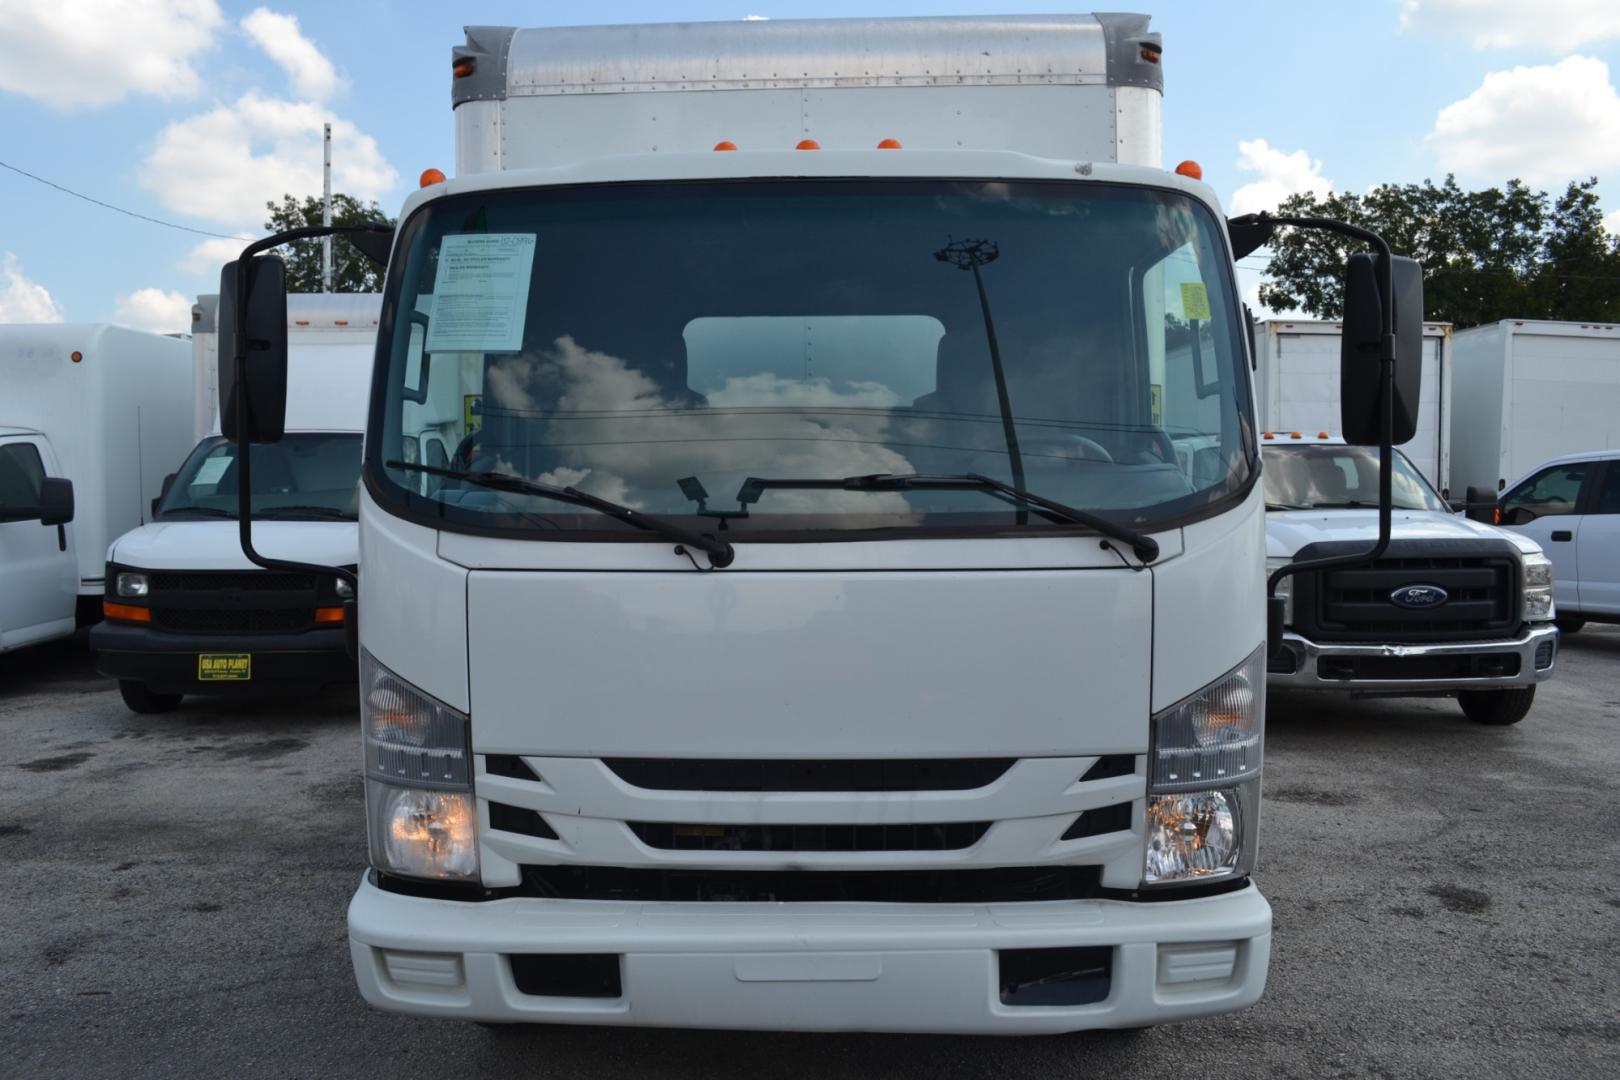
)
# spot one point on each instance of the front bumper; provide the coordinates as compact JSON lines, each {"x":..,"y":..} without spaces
{"x":1472,"y":665}
{"x":810,"y":967}
{"x":167,"y":662}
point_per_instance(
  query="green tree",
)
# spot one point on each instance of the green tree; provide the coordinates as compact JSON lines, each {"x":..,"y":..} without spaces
{"x":351,"y":271}
{"x":1497,"y":253}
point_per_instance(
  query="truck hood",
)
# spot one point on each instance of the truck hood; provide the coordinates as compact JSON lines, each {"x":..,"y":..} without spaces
{"x":1289,"y":530}
{"x":213,"y":545}
{"x":803,"y":664}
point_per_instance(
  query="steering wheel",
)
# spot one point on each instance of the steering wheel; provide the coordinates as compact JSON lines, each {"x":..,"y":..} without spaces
{"x":1069,"y":447}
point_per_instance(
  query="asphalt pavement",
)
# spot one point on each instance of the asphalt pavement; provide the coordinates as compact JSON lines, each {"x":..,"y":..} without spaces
{"x":1447,"y":902}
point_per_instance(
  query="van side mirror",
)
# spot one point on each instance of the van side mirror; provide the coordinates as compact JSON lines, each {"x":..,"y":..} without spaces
{"x":265,"y":337}
{"x":55,"y":501}
{"x":163,"y":493}
{"x":1361,"y":346}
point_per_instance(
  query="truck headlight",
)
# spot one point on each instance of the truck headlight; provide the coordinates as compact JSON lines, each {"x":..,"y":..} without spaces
{"x":132,"y":585}
{"x":1285,"y":587}
{"x":421,"y":816}
{"x":1538,"y":588}
{"x":1203,"y":796}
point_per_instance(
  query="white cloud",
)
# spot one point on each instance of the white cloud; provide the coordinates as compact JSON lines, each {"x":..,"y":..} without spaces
{"x":1281,"y":174}
{"x":1499,"y":24}
{"x":1611,"y":222}
{"x":76,"y":53}
{"x":225,"y":164}
{"x":756,"y":18}
{"x":312,"y":74}
{"x":211,"y":255}
{"x":1540,"y":124}
{"x":21,"y":299}
{"x":157,"y":310}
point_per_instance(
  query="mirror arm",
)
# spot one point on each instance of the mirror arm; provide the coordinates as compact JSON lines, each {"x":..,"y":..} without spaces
{"x":1386,"y":397}
{"x":244,"y":495}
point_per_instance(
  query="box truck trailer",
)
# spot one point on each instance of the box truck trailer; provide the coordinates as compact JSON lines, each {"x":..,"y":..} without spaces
{"x":844,"y":605}
{"x":1297,"y":389}
{"x":1529,"y":390}
{"x":186,"y":612}
{"x":104,"y":410}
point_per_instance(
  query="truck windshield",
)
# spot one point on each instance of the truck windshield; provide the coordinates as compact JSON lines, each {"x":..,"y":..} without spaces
{"x":1321,"y":476}
{"x":659,"y":344}
{"x":312,"y":477}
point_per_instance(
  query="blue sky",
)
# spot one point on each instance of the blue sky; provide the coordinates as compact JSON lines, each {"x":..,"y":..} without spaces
{"x":196,"y":111}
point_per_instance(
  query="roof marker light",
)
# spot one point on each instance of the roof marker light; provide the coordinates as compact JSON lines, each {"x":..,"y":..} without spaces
{"x":76,"y":356}
{"x":1267,"y":435}
{"x":889,"y":144}
{"x":1190,"y":169}
{"x":430,"y":176}
{"x":1321,"y":434}
{"x":1294,"y":435}
{"x":464,"y":68}
{"x":725,"y":144}
{"x":808,"y":144}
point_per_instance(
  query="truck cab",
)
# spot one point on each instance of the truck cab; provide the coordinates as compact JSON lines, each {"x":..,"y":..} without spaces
{"x":39,"y":564}
{"x":186,"y":611}
{"x":1454,"y":607}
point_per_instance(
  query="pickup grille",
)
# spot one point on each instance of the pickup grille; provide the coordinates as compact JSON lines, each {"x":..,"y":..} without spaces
{"x":1355,"y":604}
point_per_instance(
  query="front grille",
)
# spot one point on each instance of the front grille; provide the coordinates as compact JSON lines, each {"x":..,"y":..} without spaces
{"x":700,"y":774}
{"x":1484,"y":666}
{"x":942,"y":836}
{"x":1355,"y":604}
{"x":233,"y":620}
{"x":1001,"y":885}
{"x":248,"y":580}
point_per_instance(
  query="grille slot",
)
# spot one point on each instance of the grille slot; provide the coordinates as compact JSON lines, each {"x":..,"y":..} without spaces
{"x":248,"y":580}
{"x":1011,"y":884}
{"x":699,"y":774}
{"x":941,"y":836}
{"x":1100,"y":822}
{"x":518,"y":819}
{"x":233,"y":620}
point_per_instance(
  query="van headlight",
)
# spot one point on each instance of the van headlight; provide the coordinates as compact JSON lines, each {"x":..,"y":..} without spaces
{"x":1538,"y":588}
{"x":131,"y":584}
{"x":1203,"y":798}
{"x":1285,"y":587}
{"x":421,"y":816}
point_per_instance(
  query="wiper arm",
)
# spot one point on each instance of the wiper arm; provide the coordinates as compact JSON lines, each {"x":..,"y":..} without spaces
{"x":1288,"y":506}
{"x":720,"y":553}
{"x":205,"y":511}
{"x":1144,"y":546}
{"x":319,"y":511}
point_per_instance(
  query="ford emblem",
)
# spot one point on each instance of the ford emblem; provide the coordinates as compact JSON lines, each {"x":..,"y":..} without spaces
{"x":1419,"y":596}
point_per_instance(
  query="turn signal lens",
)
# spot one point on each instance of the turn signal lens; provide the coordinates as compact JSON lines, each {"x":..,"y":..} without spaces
{"x":328,"y":615}
{"x":125,"y":612}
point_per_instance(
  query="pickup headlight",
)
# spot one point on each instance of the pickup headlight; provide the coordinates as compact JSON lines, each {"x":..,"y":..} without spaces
{"x":1203,"y":797}
{"x":1285,"y":587}
{"x":421,"y":816}
{"x":131,"y":585}
{"x":1538,"y":588}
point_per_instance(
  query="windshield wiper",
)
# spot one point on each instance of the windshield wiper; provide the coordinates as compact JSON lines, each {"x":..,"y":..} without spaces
{"x":205,"y":511}
{"x":1289,"y":506}
{"x":1145,"y":547}
{"x":720,"y":553}
{"x":316,"y":511}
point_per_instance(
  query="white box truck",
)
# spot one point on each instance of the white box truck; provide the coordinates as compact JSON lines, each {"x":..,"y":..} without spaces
{"x":844,"y":606}
{"x":1526,"y":391}
{"x":187,"y":613}
{"x":1297,"y":388}
{"x":106,"y":409}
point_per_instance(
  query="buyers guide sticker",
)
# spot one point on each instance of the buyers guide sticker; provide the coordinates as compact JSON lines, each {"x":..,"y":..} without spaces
{"x":481,"y":293}
{"x":1194,"y":300}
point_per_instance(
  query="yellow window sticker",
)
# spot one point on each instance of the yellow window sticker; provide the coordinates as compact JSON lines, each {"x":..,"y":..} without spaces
{"x":224,"y":667}
{"x":1156,"y":404}
{"x":1194,"y":300}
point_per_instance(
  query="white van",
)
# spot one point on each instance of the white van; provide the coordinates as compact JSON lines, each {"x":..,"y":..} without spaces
{"x":187,"y":613}
{"x":95,"y":414}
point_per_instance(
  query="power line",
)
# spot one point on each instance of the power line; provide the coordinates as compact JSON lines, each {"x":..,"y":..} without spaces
{"x":110,"y":206}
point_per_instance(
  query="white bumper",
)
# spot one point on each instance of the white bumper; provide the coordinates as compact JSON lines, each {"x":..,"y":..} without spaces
{"x":811,"y":967}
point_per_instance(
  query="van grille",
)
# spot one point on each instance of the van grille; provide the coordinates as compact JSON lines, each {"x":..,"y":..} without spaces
{"x":236,"y":601}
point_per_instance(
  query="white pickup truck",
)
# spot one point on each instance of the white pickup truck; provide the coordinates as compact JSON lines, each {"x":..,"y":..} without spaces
{"x":1454,"y":607}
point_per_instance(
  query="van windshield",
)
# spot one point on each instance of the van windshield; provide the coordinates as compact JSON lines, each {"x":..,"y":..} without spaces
{"x":660,"y":344}
{"x":309,"y":477}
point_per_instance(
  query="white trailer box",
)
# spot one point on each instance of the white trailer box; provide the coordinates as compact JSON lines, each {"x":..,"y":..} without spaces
{"x":1529,"y":390}
{"x":1296,"y":385}
{"x":106,"y":408}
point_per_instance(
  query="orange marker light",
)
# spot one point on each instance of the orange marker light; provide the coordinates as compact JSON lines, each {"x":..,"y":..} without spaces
{"x":328,"y":615}
{"x":725,"y":144}
{"x":430,"y":176}
{"x":1190,"y":169}
{"x":464,"y":68}
{"x":1321,"y":434}
{"x":1267,"y":435}
{"x":808,"y":144}
{"x":889,"y":144}
{"x":125,"y":612}
{"x":1293,"y":435}
{"x":76,"y":356}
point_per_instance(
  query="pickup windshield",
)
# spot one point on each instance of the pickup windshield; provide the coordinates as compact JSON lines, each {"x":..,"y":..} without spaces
{"x":309,"y":477}
{"x":1319,"y":476}
{"x":658,"y":344}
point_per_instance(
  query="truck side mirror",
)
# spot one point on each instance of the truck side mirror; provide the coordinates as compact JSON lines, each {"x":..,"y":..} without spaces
{"x":55,"y":501}
{"x":1480,"y":505}
{"x":265,"y":337}
{"x":1361,"y":346}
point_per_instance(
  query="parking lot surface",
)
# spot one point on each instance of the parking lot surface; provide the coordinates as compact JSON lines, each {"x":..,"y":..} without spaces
{"x":1447,"y":902}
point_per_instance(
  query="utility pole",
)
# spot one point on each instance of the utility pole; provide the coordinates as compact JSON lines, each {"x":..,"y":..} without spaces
{"x":326,"y":218}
